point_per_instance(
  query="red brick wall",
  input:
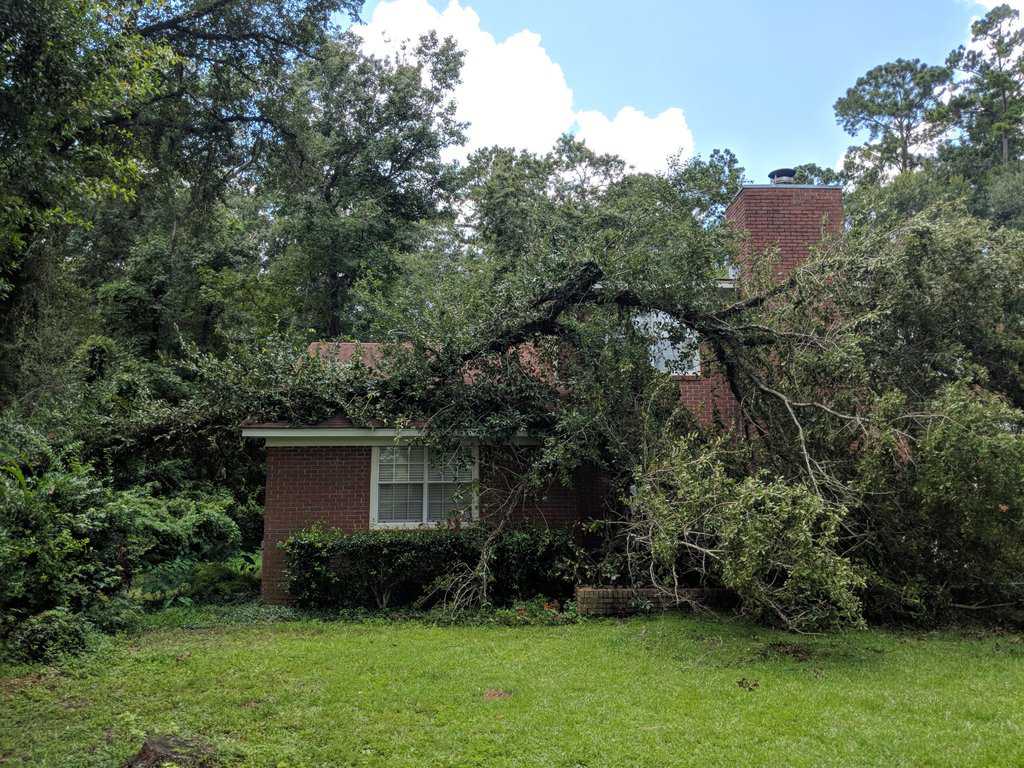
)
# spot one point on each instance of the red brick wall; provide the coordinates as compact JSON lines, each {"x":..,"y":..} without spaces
{"x":788,"y":217}
{"x":556,"y":505}
{"x":328,"y":484}
{"x":331,"y":485}
{"x":709,"y":399}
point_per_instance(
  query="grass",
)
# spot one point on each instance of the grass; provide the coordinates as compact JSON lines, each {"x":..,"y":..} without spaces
{"x":662,"y":691}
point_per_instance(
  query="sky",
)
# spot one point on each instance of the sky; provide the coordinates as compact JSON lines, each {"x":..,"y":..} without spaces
{"x":649,"y":78}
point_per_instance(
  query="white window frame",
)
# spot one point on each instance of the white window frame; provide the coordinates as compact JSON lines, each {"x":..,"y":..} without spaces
{"x":474,"y":484}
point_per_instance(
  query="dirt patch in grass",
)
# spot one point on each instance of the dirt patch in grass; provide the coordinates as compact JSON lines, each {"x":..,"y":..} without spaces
{"x":165,"y":751}
{"x":12,"y":685}
{"x":795,"y":651}
{"x":493,"y":694}
{"x":1009,"y":644}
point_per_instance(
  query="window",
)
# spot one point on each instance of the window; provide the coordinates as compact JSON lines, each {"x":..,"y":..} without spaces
{"x":668,"y":354}
{"x":413,"y":486}
{"x":732,"y":275}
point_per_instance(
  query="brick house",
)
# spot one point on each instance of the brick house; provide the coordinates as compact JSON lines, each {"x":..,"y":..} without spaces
{"x":362,"y":478}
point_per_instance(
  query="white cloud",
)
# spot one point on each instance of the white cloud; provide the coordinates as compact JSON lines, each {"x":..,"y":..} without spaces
{"x":641,"y":141}
{"x":988,"y":5}
{"x":840,"y":163}
{"x":513,"y":94}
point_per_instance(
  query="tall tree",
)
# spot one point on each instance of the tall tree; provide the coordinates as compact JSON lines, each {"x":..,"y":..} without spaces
{"x":707,"y":185}
{"x":214,"y":115}
{"x":516,"y":200}
{"x":989,"y":102}
{"x":365,"y":169}
{"x":126,"y":126}
{"x":70,"y":71}
{"x":897,"y":104}
{"x":812,"y":173}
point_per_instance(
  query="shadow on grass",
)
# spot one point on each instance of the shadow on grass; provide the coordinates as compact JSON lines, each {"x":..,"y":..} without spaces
{"x":726,"y":642}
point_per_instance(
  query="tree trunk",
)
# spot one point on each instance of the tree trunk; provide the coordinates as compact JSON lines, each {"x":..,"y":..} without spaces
{"x":335,"y":294}
{"x":1006,"y":138}
{"x":905,"y":150}
{"x":210,"y":315}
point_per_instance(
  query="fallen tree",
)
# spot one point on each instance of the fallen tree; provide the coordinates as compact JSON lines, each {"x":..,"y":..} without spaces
{"x":844,"y":374}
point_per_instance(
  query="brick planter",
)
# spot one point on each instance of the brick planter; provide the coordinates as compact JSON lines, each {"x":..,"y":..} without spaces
{"x":624,"y":601}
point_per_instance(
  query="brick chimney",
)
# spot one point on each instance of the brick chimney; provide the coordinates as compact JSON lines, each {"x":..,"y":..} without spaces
{"x":790,"y":217}
{"x":783,"y":215}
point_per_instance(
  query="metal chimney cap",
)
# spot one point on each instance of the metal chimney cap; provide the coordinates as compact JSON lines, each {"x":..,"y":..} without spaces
{"x":782,"y":176}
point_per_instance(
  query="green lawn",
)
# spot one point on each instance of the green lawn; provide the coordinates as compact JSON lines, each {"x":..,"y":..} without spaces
{"x":646,"y":692}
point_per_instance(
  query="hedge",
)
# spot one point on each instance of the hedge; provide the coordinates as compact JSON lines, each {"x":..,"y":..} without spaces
{"x":327,"y":569}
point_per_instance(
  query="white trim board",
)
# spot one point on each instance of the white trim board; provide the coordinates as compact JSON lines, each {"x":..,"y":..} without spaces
{"x":284,"y":437}
{"x":387,"y":432}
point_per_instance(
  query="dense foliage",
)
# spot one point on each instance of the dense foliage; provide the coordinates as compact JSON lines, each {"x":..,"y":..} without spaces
{"x":191,"y":192}
{"x":70,"y":545}
{"x":380,"y":569}
{"x":771,"y":542}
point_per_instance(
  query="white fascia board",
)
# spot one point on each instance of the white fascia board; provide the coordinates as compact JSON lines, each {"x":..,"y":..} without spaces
{"x":329,"y":432}
{"x":300,"y":436}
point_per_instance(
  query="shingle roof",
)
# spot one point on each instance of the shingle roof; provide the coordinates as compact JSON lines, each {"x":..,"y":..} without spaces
{"x":368,"y":352}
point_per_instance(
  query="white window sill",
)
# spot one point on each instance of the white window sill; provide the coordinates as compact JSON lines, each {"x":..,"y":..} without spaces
{"x":375,"y":526}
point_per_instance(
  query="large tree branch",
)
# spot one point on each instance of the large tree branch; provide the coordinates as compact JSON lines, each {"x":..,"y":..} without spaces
{"x":177,"y":22}
{"x":575,"y":290}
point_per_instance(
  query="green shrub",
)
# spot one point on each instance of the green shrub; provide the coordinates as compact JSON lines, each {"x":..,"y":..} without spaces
{"x":114,"y":614}
{"x":373,"y":569}
{"x":536,"y":612}
{"x":949,"y":530}
{"x":68,"y":541}
{"x":212,"y":535}
{"x":195,"y":525}
{"x":61,"y":544}
{"x":71,"y":545}
{"x":528,"y":561}
{"x":234,"y":581}
{"x":185,"y":582}
{"x":248,"y":515}
{"x":48,"y":635}
{"x":164,"y":584}
{"x":155,"y":533}
{"x":970,"y":490}
{"x":328,"y":569}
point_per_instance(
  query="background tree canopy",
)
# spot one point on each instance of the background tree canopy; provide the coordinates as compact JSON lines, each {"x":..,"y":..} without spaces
{"x":194,"y":190}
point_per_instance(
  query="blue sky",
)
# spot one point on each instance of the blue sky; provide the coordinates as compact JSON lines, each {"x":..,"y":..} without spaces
{"x":757,"y":77}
